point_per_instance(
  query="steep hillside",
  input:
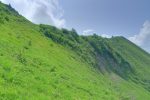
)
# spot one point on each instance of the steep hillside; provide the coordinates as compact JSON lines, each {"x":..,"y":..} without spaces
{"x":42,"y":62}
{"x":124,"y":58}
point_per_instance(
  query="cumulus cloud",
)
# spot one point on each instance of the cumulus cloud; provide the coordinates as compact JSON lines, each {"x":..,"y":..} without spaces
{"x":40,"y":11}
{"x":143,"y":38}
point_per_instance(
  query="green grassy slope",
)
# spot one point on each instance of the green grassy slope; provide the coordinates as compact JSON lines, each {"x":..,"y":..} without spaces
{"x":137,"y":58}
{"x":42,"y":62}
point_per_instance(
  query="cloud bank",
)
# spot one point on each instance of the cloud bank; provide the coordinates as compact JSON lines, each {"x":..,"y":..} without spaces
{"x":40,"y":11}
{"x":143,"y":38}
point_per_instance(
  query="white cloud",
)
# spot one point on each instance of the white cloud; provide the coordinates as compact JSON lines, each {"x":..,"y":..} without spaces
{"x":91,"y":32}
{"x":88,"y":32}
{"x":143,"y":38}
{"x":106,"y":36}
{"x":40,"y":11}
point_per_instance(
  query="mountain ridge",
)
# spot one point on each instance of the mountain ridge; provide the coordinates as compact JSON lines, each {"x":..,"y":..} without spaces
{"x":64,"y":65}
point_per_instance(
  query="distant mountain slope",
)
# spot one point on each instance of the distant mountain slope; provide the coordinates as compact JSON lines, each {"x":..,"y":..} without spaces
{"x":124,"y":58}
{"x":42,"y":62}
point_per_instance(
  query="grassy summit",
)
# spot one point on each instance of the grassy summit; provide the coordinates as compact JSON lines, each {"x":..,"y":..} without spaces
{"x":41,"y":62}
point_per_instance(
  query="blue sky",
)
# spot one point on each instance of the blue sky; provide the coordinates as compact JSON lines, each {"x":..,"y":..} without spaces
{"x":113,"y":17}
{"x":128,"y":18}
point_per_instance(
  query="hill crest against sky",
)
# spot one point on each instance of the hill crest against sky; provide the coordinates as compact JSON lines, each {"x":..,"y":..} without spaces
{"x":103,"y":17}
{"x":44,"y":62}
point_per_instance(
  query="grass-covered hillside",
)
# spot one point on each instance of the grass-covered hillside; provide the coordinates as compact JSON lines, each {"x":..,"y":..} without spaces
{"x":41,"y":62}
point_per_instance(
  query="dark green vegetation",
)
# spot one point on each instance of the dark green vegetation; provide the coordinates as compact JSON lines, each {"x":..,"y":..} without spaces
{"x":43,"y":62}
